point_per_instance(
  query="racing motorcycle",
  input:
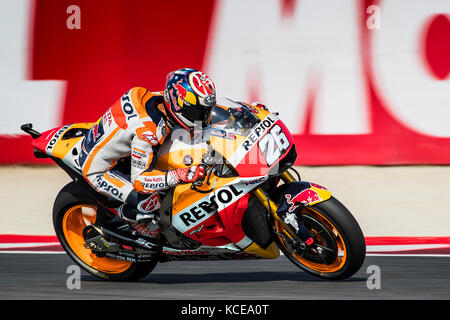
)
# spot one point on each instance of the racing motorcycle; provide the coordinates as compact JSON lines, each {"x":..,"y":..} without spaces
{"x":251,"y":205}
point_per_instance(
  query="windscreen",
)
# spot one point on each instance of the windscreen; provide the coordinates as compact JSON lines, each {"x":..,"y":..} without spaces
{"x":233,"y":117}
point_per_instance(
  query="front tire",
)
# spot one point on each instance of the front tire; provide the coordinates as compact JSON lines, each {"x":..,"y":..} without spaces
{"x":339,"y":249}
{"x":73,"y":210}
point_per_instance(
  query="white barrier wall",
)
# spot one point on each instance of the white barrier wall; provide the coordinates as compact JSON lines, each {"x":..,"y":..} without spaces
{"x":356,"y":81}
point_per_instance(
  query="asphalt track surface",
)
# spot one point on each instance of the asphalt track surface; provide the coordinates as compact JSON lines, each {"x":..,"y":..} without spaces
{"x":44,"y":276}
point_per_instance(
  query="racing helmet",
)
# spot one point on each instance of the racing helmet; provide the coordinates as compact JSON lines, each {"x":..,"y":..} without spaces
{"x":189,"y":97}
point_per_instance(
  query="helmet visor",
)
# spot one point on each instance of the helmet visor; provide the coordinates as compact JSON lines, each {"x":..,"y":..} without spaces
{"x":197,"y":114}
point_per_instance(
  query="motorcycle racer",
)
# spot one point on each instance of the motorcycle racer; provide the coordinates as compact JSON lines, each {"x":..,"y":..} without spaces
{"x":110,"y":239}
{"x":137,"y":125}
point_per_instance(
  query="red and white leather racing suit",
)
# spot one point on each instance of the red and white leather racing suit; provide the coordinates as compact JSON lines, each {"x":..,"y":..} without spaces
{"x":131,"y":126}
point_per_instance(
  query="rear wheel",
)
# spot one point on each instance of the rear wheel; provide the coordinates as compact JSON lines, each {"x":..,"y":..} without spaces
{"x":339,"y":247}
{"x":73,"y":211}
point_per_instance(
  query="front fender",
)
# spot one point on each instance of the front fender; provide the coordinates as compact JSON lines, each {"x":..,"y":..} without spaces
{"x":299,"y":194}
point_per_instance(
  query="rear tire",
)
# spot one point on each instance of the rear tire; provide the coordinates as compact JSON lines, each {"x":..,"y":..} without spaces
{"x":72,"y":211}
{"x":334,"y":228}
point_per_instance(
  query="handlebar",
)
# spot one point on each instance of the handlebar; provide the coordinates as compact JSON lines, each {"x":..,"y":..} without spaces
{"x":210,"y":170}
{"x":210,"y":163}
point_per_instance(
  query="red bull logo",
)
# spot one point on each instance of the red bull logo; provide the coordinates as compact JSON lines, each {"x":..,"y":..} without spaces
{"x":181,"y":91}
{"x":304,"y":197}
{"x":95,"y":133}
{"x":173,"y":99}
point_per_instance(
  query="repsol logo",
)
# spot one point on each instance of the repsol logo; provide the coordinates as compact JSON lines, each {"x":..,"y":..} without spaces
{"x":127,"y":107}
{"x":207,"y":207}
{"x":258,"y":132}
{"x":55,"y":138}
{"x":107,"y":187}
{"x":154,"y":186}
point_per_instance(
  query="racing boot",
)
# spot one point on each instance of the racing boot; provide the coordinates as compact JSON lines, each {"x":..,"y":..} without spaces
{"x":144,"y":223}
{"x":144,"y":218}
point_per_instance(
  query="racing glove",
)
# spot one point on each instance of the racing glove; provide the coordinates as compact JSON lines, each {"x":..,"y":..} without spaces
{"x":185,"y":175}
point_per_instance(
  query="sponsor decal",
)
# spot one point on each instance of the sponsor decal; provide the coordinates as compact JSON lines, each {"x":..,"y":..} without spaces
{"x":139,"y":159}
{"x":161,"y":129}
{"x":197,"y":230}
{"x":202,"y":84}
{"x":138,"y":154}
{"x":141,"y":165}
{"x":259,"y":180}
{"x":105,"y":186}
{"x":153,"y":179}
{"x":181,"y":91}
{"x":92,"y":137}
{"x":274,"y":144}
{"x":145,"y":243}
{"x":174,"y":101}
{"x":56,"y":137}
{"x":258,"y":132}
{"x":127,"y":107}
{"x":291,"y":219}
{"x":107,"y":118}
{"x":153,"y":183}
{"x":150,"y":204}
{"x":97,"y":131}
{"x":166,"y":96}
{"x":207,"y":208}
{"x":317,"y":186}
{"x":187,"y":252}
{"x":304,"y":197}
{"x":203,"y":250}
{"x":222,"y":134}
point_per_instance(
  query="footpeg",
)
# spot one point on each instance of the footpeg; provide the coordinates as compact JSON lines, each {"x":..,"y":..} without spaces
{"x":133,"y":239}
{"x":95,"y":241}
{"x":101,"y":247}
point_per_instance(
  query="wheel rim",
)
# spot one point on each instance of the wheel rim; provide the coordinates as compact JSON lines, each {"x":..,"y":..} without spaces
{"x":327,"y":237}
{"x":73,"y":223}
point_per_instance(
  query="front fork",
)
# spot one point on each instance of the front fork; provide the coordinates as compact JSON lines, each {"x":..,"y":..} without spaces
{"x":272,"y":207}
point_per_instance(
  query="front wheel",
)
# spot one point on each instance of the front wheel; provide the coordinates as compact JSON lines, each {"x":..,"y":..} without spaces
{"x":339,"y":248}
